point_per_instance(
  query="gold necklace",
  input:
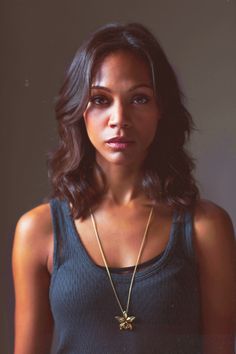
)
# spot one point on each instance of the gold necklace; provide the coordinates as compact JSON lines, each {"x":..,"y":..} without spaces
{"x":125,"y":321}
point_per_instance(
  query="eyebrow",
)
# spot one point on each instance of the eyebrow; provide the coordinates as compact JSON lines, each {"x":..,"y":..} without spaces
{"x":131,"y":89}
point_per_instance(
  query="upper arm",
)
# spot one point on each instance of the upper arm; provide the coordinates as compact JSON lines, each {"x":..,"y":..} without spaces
{"x":33,"y":320}
{"x":215,"y":247}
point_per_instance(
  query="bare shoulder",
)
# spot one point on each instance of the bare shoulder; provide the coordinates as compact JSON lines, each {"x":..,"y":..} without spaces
{"x":210,"y":217}
{"x":37,"y":219}
{"x":30,"y":258}
{"x":213,"y":229}
{"x":34,"y":233}
{"x":35,"y":224}
{"x":216,"y":256}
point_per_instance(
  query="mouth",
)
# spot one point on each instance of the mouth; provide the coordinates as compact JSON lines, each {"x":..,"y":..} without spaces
{"x":119,"y":143}
{"x":119,"y":139}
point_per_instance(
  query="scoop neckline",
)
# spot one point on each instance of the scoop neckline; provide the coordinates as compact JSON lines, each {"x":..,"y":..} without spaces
{"x":144,"y":272}
{"x":129,"y":269}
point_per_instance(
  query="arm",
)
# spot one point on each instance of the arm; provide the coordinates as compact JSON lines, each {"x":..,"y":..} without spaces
{"x":215,"y":247}
{"x":33,"y":320}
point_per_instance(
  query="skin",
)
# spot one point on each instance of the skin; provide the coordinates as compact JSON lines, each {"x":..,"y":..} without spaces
{"x":122,"y":109}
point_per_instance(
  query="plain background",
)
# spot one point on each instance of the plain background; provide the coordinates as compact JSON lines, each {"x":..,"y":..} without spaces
{"x":38,"y":40}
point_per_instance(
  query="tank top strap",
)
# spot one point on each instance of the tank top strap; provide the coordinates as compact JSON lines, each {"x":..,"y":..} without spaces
{"x":64,"y":242}
{"x":185,"y":237}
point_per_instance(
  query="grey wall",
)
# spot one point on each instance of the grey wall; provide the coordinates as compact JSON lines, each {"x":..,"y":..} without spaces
{"x":38,"y":40}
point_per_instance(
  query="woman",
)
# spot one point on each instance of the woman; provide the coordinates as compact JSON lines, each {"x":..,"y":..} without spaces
{"x":126,"y":257}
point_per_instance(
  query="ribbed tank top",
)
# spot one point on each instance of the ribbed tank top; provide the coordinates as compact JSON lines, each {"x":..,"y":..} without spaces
{"x":165,"y":296}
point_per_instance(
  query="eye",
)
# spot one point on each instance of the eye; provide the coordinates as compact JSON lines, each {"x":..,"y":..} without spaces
{"x":99,"y":100}
{"x":141,"y":99}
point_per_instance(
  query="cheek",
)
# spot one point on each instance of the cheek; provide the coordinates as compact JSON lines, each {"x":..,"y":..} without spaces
{"x":94,"y":119}
{"x":89,"y":120}
{"x":94,"y":127}
{"x":88,"y":125}
{"x":90,"y":129}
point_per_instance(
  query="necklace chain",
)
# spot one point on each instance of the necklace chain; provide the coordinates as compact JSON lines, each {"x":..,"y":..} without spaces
{"x":124,"y":312}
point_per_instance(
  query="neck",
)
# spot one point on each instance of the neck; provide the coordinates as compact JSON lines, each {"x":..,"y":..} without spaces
{"x":124,"y":183}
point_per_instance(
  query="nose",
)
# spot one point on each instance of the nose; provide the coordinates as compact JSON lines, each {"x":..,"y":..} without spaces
{"x":119,"y":116}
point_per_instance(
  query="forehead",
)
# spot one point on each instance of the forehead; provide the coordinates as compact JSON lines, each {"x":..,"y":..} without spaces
{"x":122,"y":66}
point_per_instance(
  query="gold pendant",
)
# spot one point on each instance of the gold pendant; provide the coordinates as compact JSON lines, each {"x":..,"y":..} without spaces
{"x":125,"y":321}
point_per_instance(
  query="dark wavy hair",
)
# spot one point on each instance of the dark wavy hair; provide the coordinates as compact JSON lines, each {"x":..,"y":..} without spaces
{"x":167,"y":170}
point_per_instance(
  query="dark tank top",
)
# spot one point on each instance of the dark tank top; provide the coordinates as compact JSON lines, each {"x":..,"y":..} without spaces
{"x":165,"y":296}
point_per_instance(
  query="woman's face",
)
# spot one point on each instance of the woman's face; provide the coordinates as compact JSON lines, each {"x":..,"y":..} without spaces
{"x":122,"y":114}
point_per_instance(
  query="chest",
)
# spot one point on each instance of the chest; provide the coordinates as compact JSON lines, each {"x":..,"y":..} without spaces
{"x":82,"y":294}
{"x":121,"y":236}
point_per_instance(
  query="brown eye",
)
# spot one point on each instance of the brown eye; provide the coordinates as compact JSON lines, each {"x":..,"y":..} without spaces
{"x":99,"y":100}
{"x":141,"y":99}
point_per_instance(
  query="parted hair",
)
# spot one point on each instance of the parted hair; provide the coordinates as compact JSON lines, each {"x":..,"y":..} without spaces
{"x":167,"y":169}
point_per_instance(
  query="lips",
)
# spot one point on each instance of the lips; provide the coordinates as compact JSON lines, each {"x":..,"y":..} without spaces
{"x":119,"y":143}
{"x":119,"y":139}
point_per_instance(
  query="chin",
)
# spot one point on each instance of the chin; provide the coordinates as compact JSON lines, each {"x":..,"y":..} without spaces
{"x":120,"y":159}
